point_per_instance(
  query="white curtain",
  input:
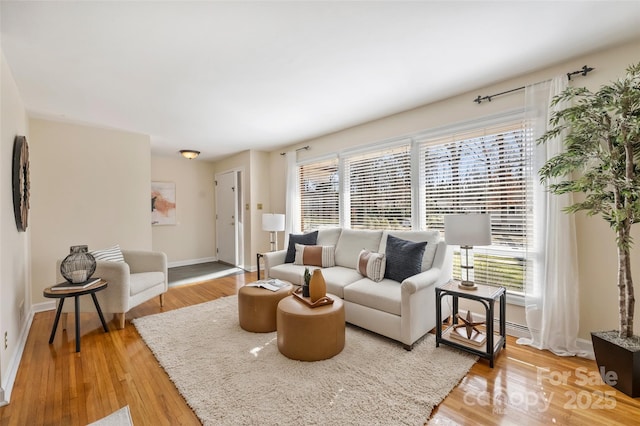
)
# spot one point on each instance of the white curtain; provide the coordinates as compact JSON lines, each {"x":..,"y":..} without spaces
{"x":292,"y":220}
{"x":551,"y":292}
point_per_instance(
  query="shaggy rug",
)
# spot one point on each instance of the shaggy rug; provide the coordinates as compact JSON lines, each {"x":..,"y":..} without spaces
{"x":231,"y":376}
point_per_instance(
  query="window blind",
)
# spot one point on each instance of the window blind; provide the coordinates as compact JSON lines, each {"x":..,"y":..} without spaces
{"x":319,"y":194}
{"x":379,"y":188}
{"x":486,"y":171}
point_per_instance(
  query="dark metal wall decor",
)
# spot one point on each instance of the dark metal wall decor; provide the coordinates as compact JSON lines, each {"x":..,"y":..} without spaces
{"x":20,"y":178}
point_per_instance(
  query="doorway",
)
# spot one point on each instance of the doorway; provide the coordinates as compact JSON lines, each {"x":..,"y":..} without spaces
{"x":229,"y":217}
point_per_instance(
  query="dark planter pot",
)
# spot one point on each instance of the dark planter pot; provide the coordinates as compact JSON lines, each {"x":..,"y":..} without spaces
{"x":625,"y":362}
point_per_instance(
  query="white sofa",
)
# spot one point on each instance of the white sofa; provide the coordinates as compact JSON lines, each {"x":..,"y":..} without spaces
{"x":401,"y":311}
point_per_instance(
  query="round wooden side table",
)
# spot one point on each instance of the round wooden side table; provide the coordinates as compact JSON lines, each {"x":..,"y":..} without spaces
{"x":76,"y":293}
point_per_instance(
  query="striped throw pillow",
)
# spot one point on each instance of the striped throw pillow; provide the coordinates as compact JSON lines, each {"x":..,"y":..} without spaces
{"x":371,"y":265}
{"x":111,"y":254}
{"x":323,"y":256}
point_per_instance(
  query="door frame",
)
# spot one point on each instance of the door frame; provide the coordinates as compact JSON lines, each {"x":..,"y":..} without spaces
{"x":240,"y":215}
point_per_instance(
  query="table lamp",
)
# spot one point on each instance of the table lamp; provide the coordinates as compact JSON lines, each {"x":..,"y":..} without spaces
{"x":467,"y":230}
{"x":273,"y":223}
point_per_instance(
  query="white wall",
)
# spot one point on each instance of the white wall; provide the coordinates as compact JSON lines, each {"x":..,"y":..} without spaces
{"x":261,"y":188}
{"x":192,"y":239}
{"x":597,"y":255}
{"x":15,"y":276}
{"x":255,"y":166}
{"x":89,"y":186}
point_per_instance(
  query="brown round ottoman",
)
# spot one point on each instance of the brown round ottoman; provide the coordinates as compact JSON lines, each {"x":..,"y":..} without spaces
{"x":310,"y":334}
{"x":257,"y":307}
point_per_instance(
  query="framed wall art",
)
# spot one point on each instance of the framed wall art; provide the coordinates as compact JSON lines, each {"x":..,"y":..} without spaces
{"x":163,"y":203}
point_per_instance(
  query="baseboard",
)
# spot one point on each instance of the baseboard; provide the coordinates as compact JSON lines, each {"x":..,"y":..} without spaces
{"x":587,"y":346}
{"x":513,"y":329}
{"x":191,"y":262}
{"x":519,"y":330}
{"x":44,"y":306}
{"x":204,"y":277}
{"x":14,"y":362}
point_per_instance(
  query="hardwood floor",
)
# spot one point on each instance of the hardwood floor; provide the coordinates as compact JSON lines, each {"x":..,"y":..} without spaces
{"x":56,"y":386}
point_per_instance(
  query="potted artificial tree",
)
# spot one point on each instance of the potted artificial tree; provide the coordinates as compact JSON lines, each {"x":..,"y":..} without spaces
{"x":602,"y":161}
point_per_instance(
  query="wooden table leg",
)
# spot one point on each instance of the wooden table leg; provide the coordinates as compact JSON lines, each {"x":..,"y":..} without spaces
{"x":55,"y":322}
{"x":77,"y":323}
{"x":95,"y":302}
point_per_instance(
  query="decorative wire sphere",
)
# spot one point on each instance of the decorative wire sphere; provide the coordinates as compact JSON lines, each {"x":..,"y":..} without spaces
{"x":79,"y":261}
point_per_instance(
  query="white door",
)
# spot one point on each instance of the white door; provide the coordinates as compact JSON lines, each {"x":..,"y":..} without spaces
{"x":227,"y":197}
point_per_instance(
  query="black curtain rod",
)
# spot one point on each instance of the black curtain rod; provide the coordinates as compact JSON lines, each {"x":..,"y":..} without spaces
{"x":304,"y":148}
{"x":584,"y":71}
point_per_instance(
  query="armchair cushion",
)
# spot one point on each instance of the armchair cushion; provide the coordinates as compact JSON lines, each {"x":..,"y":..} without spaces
{"x":144,"y":280}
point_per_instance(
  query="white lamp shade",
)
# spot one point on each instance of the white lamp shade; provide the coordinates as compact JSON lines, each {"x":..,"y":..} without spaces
{"x":467,"y":229}
{"x":272,"y":222}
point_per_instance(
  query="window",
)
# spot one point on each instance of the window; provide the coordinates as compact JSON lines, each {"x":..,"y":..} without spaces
{"x":417,"y":182}
{"x":482,"y":172}
{"x":379,"y":189}
{"x":319,"y":194}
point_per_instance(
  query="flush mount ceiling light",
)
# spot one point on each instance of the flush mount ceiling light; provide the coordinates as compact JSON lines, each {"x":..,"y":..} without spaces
{"x":189,"y":153}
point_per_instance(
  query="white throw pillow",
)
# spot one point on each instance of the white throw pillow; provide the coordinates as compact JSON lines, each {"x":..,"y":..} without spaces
{"x":371,"y":265}
{"x":111,"y":254}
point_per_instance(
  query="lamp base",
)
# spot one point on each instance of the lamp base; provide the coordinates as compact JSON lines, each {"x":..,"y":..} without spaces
{"x":467,"y":285}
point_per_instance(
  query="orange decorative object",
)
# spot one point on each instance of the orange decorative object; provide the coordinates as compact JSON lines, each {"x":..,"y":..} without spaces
{"x":317,"y":286}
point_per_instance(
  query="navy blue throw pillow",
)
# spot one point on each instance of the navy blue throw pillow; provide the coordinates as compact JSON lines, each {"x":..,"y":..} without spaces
{"x":309,"y":239}
{"x":404,"y":258}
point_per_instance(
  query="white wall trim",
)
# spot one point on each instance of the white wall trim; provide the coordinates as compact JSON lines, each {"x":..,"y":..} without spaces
{"x":14,"y":363}
{"x":44,"y":306}
{"x":519,"y":330}
{"x":513,"y":329}
{"x":587,"y":346}
{"x":191,"y":262}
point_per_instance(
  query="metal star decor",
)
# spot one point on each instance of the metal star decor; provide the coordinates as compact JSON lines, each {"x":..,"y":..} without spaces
{"x":468,"y":324}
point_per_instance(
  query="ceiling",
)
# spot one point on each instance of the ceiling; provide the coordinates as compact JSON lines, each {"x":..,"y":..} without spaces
{"x":223,"y":77}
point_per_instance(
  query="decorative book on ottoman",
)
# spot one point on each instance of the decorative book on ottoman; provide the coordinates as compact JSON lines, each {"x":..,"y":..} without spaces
{"x":271,"y":284}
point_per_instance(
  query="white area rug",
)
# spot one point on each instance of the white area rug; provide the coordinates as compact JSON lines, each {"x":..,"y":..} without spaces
{"x":230,"y":376}
{"x":122,"y":417}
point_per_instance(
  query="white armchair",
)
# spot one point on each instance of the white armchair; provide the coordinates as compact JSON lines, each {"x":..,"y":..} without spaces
{"x":142,"y":276}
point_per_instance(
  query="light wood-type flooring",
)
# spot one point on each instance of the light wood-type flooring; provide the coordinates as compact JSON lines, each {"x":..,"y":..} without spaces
{"x":56,"y":386}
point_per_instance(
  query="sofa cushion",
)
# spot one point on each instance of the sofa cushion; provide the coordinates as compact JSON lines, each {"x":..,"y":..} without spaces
{"x":323,"y":256}
{"x":385,"y":295}
{"x":111,"y":254}
{"x":143,"y":281}
{"x":339,"y":277}
{"x":371,"y":265}
{"x":328,"y":236}
{"x":404,"y":258}
{"x":308,"y":239}
{"x":350,"y":243}
{"x":431,"y":237}
{"x":290,"y":272}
